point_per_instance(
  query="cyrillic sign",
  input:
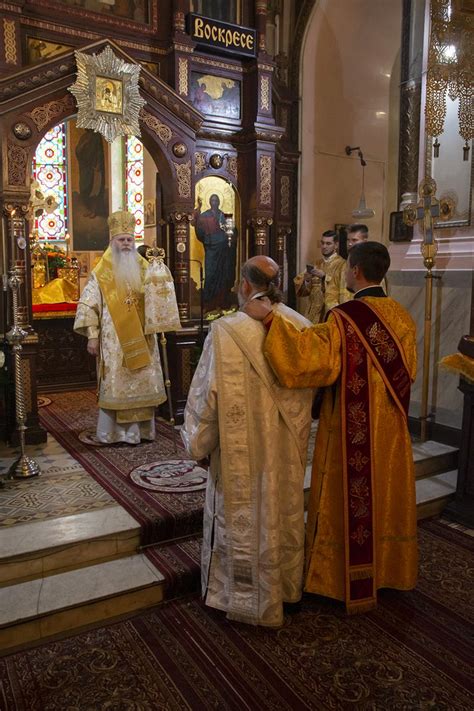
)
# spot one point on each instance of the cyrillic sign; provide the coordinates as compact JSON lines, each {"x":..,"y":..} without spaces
{"x":222,"y":35}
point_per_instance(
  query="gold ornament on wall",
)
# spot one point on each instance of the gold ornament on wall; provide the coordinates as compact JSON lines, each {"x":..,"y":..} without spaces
{"x":450,"y":69}
{"x":107,"y":94}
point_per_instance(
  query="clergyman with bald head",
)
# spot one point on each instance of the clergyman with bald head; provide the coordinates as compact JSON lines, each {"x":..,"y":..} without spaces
{"x":254,"y":435}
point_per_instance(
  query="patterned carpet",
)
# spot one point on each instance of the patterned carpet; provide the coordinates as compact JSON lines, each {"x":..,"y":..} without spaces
{"x":413,"y":652}
{"x":162,"y":516}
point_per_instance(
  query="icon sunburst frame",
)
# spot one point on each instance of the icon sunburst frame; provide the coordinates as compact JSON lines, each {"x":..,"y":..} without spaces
{"x":107,"y":94}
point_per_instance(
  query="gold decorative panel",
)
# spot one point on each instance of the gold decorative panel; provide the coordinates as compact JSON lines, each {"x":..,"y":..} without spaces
{"x":266,"y":180}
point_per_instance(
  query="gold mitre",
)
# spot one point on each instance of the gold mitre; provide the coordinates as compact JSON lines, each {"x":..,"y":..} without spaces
{"x":121,"y":222}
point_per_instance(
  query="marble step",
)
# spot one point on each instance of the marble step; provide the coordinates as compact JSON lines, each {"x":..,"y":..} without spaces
{"x":51,"y":605}
{"x":433,"y":458}
{"x":41,"y":548}
{"x":433,"y":493}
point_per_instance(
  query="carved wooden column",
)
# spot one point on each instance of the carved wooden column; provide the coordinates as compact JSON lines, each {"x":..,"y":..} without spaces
{"x":261,"y":9}
{"x":261,"y":227}
{"x":180,"y":222}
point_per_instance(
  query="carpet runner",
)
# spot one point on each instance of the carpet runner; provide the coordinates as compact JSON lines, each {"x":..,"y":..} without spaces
{"x":162,"y":516}
{"x":413,"y":652}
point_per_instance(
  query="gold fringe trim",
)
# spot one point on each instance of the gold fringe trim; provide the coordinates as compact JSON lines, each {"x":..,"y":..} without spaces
{"x":362,"y":574}
{"x":356,"y":608}
{"x":459,"y":364}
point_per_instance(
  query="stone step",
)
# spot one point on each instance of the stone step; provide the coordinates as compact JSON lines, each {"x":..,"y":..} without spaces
{"x":433,"y":493}
{"x":41,"y":548}
{"x":433,"y":458}
{"x":47,"y":606}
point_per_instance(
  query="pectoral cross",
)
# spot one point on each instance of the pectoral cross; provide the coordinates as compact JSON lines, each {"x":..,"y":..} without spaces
{"x":130,"y":299}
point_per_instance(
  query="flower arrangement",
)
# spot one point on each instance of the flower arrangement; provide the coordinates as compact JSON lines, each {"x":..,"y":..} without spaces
{"x":56,"y":257}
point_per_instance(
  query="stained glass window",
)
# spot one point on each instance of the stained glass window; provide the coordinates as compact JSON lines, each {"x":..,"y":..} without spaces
{"x":49,"y":169}
{"x":134,"y":183}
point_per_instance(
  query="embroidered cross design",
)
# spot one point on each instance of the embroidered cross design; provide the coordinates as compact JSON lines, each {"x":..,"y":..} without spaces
{"x":357,"y":423}
{"x":358,"y":461}
{"x":235,"y":414}
{"x":356,"y":383}
{"x":360,"y":535}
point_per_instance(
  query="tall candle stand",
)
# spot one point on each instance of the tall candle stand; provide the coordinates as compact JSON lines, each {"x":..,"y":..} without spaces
{"x":24,"y":467}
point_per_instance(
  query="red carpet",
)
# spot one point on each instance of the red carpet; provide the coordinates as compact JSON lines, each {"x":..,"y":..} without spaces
{"x":162,"y":516}
{"x":413,"y":652}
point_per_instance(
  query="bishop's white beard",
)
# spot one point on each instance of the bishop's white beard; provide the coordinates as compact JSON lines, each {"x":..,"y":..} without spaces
{"x":126,"y":268}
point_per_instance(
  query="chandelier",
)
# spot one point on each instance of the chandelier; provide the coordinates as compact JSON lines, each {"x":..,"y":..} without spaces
{"x":450,"y":68}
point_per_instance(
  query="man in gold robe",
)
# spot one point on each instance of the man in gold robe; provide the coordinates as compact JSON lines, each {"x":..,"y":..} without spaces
{"x":322,"y":285}
{"x":256,"y":433}
{"x":361,"y":532}
{"x":111,"y":313}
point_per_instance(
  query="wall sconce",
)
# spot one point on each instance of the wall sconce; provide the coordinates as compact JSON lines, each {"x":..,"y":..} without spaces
{"x":362,"y":210}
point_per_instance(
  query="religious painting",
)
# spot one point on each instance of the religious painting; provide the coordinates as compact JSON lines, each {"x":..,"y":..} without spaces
{"x":150,"y":213}
{"x":215,"y":96}
{"x":108,"y":95}
{"x":130,"y":9}
{"x":214,"y":250}
{"x":83,"y":262}
{"x":39,"y":49}
{"x":88,"y":182}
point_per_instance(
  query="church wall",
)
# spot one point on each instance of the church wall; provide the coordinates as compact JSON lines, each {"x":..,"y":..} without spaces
{"x":348,"y":98}
{"x":451,"y":316}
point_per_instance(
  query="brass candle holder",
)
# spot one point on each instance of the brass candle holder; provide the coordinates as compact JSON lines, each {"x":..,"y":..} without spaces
{"x":24,"y":467}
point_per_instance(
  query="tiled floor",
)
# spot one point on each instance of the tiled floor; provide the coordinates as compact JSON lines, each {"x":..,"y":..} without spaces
{"x":63,"y":488}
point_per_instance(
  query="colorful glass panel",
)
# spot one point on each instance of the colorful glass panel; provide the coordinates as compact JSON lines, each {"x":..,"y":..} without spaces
{"x":49,"y":169}
{"x":134,"y":183}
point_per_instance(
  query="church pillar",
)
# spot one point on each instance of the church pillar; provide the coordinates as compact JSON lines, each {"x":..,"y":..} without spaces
{"x":180,"y":222}
{"x":410,"y":100}
{"x":261,"y":8}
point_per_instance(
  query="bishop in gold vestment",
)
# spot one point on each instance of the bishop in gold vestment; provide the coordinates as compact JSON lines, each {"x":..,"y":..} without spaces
{"x":363,"y":485}
{"x":256,"y":434}
{"x":112,"y":314}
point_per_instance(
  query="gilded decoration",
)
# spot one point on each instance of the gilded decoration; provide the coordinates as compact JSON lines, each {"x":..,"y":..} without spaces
{"x":43,"y":115}
{"x":357,"y":422}
{"x":232,"y":166}
{"x":265,"y":94}
{"x":183,"y":175}
{"x":382,"y":343}
{"x":22,"y":131}
{"x":107,"y":94}
{"x":215,"y":63}
{"x":265,"y":180}
{"x":183,"y":76}
{"x":17,"y":163}
{"x":359,"y":496}
{"x":358,"y":461}
{"x":160,"y":129}
{"x":179,"y":149}
{"x":356,"y":383}
{"x":199,"y":162}
{"x":9,"y":41}
{"x":285,"y":195}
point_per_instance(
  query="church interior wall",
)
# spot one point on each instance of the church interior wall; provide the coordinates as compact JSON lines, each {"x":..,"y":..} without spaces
{"x":348,"y":99}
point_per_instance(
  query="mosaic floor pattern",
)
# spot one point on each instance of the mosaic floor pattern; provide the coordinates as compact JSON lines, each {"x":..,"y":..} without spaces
{"x":64,"y":487}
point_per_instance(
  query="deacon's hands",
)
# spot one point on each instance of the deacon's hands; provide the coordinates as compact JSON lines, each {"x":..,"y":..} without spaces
{"x":258,"y":308}
{"x":318,"y":273}
{"x":93,"y":346}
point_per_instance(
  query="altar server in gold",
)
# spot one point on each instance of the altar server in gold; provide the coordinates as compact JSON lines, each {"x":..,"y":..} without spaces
{"x":114,"y":313}
{"x":322,"y":285}
{"x":256,"y":433}
{"x":361,"y":532}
